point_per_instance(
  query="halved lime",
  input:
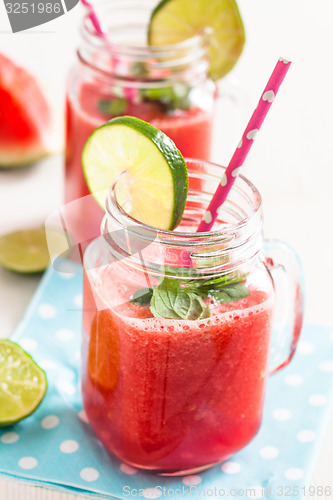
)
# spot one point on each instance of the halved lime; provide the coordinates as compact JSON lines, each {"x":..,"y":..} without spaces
{"x":22,"y":383}
{"x":173,"y":21}
{"x":156,"y":191}
{"x":26,"y":251}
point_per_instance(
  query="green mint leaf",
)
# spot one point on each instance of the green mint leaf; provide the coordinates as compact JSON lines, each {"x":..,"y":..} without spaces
{"x":115,"y":107}
{"x":182,"y":304}
{"x":230,"y":292}
{"x":226,"y":288}
{"x":174,"y":299}
{"x":139,"y":70}
{"x":160,"y":310}
{"x":142,"y":296}
{"x":219,"y":282}
{"x":171,"y":301}
{"x":198,"y":309}
{"x":164,"y":295}
{"x":169,"y":98}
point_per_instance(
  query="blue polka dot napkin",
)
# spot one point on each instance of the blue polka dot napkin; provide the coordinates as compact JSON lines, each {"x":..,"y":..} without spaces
{"x":55,"y":447}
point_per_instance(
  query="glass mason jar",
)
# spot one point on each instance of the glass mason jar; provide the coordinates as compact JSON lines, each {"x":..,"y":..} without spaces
{"x":167,"y":86}
{"x":182,"y":392}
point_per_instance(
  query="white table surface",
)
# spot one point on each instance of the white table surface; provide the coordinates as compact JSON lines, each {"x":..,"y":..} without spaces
{"x":291,"y":162}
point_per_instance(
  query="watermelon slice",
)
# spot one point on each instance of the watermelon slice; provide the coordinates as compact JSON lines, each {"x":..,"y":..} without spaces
{"x":25,"y":116}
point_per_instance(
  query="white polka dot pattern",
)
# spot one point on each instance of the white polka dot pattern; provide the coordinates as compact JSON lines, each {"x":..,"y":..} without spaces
{"x":151,"y":493}
{"x":297,"y":400}
{"x":281,"y":414}
{"x":78,"y":300}
{"x":9,"y":437}
{"x":65,"y":335}
{"x":127,"y":469}
{"x":306,"y":436}
{"x":269,"y":452}
{"x":207,"y":217}
{"x":82,"y":415}
{"x":192,"y":480}
{"x":47,"y":311}
{"x":317,"y":400}
{"x":293,"y":380}
{"x":69,"y":446}
{"x":50,"y":422}
{"x":235,"y":172}
{"x":326,"y":366}
{"x":268,"y":96}
{"x":89,"y":474}
{"x":224,"y":180}
{"x":28,"y":463}
{"x":294,"y":474}
{"x":231,"y":467}
{"x":252,"y":134}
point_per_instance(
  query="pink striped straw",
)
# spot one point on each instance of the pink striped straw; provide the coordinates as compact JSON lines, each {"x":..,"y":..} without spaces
{"x":129,"y":92}
{"x":94,"y":19}
{"x":245,"y":144}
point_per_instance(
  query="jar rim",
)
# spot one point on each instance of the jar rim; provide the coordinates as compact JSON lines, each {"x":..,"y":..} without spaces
{"x":233,"y":244}
{"x":127,"y":44}
{"x":87,"y":30}
{"x":251,"y":219}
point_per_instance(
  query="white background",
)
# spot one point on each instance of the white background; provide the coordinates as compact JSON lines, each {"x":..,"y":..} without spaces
{"x":291,"y":161}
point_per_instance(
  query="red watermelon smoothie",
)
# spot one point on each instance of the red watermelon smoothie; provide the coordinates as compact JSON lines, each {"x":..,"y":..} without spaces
{"x":172,"y":395}
{"x":191,"y":130}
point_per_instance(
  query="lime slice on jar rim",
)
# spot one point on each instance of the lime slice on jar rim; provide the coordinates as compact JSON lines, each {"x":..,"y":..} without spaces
{"x":23,"y":383}
{"x":173,"y":21}
{"x":157,"y":185}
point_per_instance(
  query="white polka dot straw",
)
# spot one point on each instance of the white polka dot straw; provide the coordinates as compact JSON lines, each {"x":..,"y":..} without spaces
{"x":208,"y":217}
{"x":245,"y":143}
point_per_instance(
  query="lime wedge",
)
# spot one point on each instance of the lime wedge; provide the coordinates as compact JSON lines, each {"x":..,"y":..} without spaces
{"x":26,"y":251}
{"x":22,"y":383}
{"x":156,"y":191}
{"x":173,"y":21}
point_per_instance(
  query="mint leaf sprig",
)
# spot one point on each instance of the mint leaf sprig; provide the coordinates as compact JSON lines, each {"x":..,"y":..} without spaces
{"x":174,"y":299}
{"x":113,"y":107}
{"x":165,"y":99}
{"x":170,"y":300}
{"x":169,"y":99}
{"x":224,"y":289}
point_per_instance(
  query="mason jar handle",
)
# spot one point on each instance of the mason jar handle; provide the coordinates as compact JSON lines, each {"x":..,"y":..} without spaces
{"x":285,"y":269}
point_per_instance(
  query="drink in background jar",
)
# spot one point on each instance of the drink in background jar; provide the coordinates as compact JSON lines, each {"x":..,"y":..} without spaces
{"x":167,"y":86}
